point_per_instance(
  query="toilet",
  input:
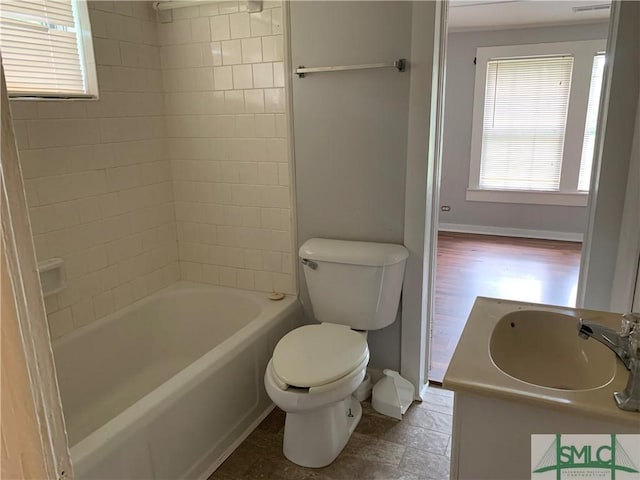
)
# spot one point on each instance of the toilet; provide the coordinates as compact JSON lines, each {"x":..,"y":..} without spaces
{"x":354,"y":287}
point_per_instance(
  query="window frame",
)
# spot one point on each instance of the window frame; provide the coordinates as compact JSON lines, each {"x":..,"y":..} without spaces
{"x":87,"y":59}
{"x":583,"y":53}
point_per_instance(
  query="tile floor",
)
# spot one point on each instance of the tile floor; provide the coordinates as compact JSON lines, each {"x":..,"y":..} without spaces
{"x":381,"y":448}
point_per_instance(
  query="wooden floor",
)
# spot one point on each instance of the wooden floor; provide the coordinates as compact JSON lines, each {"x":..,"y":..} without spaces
{"x":541,"y":271}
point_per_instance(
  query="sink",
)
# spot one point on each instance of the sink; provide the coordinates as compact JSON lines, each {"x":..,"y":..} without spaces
{"x":521,"y":369}
{"x":543,"y":348}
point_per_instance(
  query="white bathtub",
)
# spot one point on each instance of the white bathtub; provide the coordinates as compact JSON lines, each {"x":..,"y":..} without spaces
{"x":169,"y":386}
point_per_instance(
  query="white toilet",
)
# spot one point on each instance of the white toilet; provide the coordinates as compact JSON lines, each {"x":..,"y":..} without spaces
{"x":354,"y":287}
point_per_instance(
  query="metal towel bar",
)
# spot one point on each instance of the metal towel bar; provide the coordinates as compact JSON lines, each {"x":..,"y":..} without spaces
{"x":400,"y":64}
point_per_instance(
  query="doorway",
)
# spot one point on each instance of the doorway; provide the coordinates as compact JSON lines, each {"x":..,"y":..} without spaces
{"x":518,"y":142}
{"x":470,"y":265}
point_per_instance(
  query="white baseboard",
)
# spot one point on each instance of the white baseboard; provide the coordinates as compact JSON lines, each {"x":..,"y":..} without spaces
{"x":511,"y":232}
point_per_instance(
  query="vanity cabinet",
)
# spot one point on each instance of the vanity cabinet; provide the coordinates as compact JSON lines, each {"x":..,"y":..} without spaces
{"x":521,"y":369}
{"x":492,"y":436}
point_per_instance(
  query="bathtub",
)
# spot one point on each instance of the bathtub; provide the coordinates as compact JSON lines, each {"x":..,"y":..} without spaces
{"x":167,"y":387}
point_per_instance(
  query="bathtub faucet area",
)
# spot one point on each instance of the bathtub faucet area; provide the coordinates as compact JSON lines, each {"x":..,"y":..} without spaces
{"x":626,"y":345}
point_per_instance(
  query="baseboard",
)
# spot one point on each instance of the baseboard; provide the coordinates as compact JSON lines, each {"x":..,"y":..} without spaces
{"x":511,"y":232}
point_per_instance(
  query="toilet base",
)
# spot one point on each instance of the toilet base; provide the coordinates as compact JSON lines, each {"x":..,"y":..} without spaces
{"x":315,"y":438}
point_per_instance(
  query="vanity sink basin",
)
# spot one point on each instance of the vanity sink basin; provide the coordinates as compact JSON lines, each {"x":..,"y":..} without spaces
{"x":543,"y":348}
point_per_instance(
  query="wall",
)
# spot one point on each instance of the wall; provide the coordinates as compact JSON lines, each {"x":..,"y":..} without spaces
{"x":421,"y":193}
{"x":598,"y":267}
{"x":461,"y":50}
{"x":227,"y":140}
{"x":191,"y":110}
{"x":97,"y":175}
{"x":351,"y":131}
{"x":626,"y":281}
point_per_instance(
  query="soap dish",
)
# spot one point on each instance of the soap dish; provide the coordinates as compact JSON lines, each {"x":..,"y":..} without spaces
{"x":51,"y":278}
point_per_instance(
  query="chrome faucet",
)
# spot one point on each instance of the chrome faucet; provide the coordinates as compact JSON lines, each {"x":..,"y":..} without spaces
{"x":626,"y":345}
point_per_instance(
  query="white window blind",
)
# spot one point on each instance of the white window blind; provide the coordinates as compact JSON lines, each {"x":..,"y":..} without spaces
{"x":41,"y":49}
{"x":593,"y":107}
{"x":525,"y":115}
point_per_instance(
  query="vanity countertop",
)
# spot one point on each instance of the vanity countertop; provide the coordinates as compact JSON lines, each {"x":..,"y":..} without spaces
{"x":472,"y":369}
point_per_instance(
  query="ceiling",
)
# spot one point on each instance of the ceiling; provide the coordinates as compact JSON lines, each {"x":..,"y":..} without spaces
{"x":490,"y":14}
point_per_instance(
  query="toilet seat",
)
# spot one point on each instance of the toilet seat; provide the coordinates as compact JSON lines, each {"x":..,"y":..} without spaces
{"x":317,"y":355}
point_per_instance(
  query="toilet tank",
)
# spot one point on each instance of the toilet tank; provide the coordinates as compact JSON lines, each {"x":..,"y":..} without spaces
{"x":354,"y":283}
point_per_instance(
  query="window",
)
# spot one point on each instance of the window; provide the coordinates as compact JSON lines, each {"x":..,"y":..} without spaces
{"x":534,"y":121}
{"x":46,"y":48}
{"x":525,"y":111}
{"x":589,"y":143}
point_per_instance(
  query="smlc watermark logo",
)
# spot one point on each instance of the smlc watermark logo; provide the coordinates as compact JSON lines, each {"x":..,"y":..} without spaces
{"x":577,"y":457}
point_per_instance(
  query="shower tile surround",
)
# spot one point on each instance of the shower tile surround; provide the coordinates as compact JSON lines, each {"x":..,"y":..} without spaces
{"x":97,"y":176}
{"x":226,"y":126}
{"x":179,"y":171}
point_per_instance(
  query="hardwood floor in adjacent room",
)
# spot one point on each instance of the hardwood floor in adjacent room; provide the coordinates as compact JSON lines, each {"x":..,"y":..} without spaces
{"x":540,"y":271}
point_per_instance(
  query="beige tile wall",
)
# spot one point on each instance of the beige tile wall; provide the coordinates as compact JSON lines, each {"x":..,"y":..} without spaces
{"x":190,"y":126}
{"x":98,"y":177}
{"x":227,"y":131}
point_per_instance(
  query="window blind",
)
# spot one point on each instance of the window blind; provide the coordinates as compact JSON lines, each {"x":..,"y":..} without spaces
{"x":525,"y":114}
{"x":588,"y":146}
{"x":40,"y":47}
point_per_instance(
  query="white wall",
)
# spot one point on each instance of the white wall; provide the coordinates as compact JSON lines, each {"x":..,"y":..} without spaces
{"x":421,"y":197}
{"x":98,"y":178}
{"x":461,"y":50}
{"x":227,"y":133}
{"x":351,"y":131}
{"x":598,"y":268}
{"x":626,"y":281}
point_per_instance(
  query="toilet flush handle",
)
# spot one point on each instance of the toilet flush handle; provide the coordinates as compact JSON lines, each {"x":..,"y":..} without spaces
{"x":309,"y":263}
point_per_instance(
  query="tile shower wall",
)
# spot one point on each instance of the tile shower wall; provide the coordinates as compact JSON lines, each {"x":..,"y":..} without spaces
{"x":226,"y":125}
{"x":98,"y":178}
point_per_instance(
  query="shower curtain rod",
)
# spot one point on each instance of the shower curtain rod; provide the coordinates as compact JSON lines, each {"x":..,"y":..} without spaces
{"x":253,"y":6}
{"x":173,"y":4}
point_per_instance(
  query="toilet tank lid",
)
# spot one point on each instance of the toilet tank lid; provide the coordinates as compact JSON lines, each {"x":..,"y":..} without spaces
{"x":353,"y":253}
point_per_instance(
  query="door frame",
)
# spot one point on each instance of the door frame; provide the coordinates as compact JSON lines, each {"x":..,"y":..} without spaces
{"x":629,"y":244}
{"x":41,"y":444}
{"x":612,"y":238}
{"x":424,"y":146}
{"x":626,"y":283}
{"x":636,"y":298}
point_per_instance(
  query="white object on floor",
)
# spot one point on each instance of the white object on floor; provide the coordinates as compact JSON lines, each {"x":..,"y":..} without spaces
{"x":392,"y":395}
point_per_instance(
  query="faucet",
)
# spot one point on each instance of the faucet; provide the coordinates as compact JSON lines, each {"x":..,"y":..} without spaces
{"x":626,"y":345}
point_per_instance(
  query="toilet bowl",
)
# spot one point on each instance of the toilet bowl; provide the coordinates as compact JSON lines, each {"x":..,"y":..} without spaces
{"x":354,"y":287}
{"x":315,"y":389}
